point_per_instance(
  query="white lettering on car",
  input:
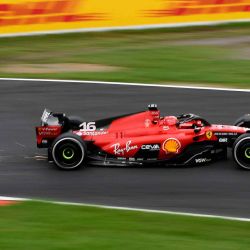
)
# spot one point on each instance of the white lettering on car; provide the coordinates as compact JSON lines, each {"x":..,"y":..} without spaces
{"x":87,"y":126}
{"x":94,"y":133}
{"x":223,"y":139}
{"x":121,"y":151}
{"x":45,"y":115}
{"x":151,"y":147}
{"x":201,"y":160}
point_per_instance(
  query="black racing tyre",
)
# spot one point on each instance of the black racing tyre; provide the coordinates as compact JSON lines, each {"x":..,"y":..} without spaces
{"x":243,"y":121}
{"x":68,"y":151}
{"x":241,"y":151}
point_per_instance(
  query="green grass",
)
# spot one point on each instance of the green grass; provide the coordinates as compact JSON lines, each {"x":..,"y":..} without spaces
{"x":144,"y":56}
{"x":36,"y":225}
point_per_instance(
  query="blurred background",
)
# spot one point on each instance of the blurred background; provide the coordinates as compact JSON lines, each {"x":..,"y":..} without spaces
{"x":159,"y":41}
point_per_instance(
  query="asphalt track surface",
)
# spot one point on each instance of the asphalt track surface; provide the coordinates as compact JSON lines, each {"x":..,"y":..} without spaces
{"x":218,"y":189}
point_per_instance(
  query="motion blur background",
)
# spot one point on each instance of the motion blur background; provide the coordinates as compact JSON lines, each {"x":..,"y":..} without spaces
{"x":178,"y":51}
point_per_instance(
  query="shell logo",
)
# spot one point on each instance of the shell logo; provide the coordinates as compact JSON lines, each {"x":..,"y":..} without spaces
{"x":171,"y":145}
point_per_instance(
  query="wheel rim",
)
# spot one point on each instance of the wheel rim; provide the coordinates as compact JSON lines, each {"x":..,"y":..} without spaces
{"x":242,"y":153}
{"x":247,"y":153}
{"x":68,"y":153}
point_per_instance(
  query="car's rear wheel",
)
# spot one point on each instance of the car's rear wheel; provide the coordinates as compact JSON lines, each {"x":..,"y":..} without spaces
{"x":241,"y":151}
{"x":68,"y":151}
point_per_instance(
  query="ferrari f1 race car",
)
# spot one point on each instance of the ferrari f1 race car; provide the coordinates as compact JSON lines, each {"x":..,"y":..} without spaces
{"x":142,"y":139}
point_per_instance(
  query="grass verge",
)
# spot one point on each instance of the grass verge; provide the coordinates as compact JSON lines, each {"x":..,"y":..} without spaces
{"x":216,"y":55}
{"x":36,"y":225}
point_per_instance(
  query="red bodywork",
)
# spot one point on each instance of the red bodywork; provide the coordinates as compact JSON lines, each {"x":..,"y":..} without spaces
{"x":127,"y":136}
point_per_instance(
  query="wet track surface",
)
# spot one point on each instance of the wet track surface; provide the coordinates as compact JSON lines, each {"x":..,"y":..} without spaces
{"x":215,"y":189}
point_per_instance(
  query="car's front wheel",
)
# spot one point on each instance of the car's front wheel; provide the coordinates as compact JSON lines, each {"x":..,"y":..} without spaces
{"x":241,"y":151}
{"x":243,"y":121}
{"x":68,"y":151}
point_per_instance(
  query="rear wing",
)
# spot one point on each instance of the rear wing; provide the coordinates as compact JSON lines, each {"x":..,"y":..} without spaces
{"x":51,"y":127}
{"x":49,"y":118}
{"x":45,"y":116}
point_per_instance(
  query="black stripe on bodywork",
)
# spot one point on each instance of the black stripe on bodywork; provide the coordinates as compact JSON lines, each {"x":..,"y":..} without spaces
{"x":104,"y":123}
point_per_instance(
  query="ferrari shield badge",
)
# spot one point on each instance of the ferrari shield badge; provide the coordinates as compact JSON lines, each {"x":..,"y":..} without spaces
{"x":171,"y":145}
{"x":209,"y":135}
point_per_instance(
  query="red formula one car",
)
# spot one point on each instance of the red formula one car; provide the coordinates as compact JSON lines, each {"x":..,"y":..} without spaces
{"x":140,"y":139}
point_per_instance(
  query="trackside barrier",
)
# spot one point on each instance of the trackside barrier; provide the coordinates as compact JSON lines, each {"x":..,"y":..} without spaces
{"x":22,"y":17}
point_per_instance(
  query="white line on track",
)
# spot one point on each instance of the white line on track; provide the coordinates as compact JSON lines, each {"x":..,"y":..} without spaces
{"x":130,"y":209}
{"x":128,"y":84}
{"x":5,"y":198}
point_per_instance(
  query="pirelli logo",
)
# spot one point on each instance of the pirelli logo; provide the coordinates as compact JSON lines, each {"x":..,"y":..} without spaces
{"x":200,"y":7}
{"x":41,"y":12}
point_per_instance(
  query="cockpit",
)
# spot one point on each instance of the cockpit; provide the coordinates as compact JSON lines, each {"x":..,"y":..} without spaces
{"x":181,"y":121}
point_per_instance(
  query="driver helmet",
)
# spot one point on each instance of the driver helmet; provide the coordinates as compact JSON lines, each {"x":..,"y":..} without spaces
{"x":169,"y":121}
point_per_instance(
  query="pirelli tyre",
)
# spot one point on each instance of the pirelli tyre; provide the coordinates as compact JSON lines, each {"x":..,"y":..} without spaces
{"x":241,"y":151}
{"x":243,"y":121}
{"x":68,"y":151}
